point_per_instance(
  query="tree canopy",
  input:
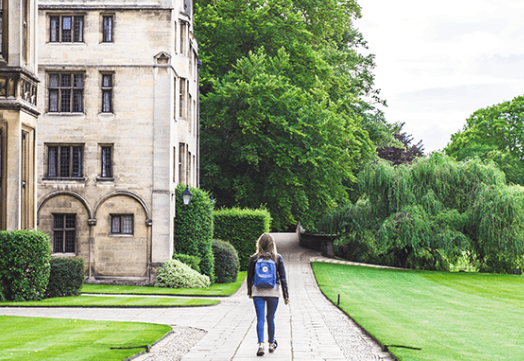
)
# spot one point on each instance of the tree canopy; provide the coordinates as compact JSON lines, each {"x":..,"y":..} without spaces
{"x":405,"y":152}
{"x":429,"y":213}
{"x":495,"y":133}
{"x":288,"y":104}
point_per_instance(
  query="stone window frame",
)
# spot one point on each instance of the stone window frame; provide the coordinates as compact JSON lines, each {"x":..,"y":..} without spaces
{"x":106,"y":89}
{"x":183,"y":90}
{"x":104,"y":39}
{"x":56,"y":35}
{"x":117,"y":226}
{"x":64,"y":230}
{"x":73,"y":87}
{"x":106,"y":162}
{"x":56,"y":174}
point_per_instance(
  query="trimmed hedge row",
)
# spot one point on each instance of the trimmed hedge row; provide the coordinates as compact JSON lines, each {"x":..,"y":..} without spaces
{"x":191,"y":261}
{"x":66,"y":277}
{"x":226,"y":262}
{"x":24,"y":265}
{"x":194,"y":228}
{"x":241,"y":228}
{"x":175,"y":274}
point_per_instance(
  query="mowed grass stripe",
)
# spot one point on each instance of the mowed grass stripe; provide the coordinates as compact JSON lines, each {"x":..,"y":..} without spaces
{"x":450,"y":316}
{"x":113,"y":301}
{"x":34,"y":338}
{"x":215,"y":290}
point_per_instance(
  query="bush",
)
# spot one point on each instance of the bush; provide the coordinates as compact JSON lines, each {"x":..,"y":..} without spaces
{"x":191,"y":261}
{"x":24,"y":265}
{"x":175,"y":274}
{"x":242,"y":228}
{"x":226,"y":262}
{"x":66,"y":277}
{"x":194,"y":228}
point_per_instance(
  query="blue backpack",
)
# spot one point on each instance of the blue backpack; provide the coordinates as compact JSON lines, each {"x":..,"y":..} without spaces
{"x":265,"y":272}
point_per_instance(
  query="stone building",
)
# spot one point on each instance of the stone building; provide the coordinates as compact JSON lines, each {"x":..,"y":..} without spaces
{"x":118,"y":130}
{"x":18,"y":114}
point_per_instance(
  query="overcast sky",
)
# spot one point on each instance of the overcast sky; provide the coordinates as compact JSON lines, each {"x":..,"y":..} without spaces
{"x":439,"y":61}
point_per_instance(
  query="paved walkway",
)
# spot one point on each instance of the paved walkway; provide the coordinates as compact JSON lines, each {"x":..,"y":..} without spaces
{"x":309,"y":328}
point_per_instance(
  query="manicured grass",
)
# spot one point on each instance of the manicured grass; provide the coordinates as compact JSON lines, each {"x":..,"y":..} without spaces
{"x":114,"y":301}
{"x":34,"y":338}
{"x":217,"y":289}
{"x":449,"y":316}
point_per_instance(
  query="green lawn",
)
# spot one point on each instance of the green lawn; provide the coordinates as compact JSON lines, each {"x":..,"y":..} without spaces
{"x":34,"y":338}
{"x":114,"y":301}
{"x":217,"y":289}
{"x":449,"y":316}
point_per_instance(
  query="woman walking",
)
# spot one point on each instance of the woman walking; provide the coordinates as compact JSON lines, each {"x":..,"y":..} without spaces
{"x":264,"y":287}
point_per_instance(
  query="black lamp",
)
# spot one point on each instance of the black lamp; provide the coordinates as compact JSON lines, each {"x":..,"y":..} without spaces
{"x":186,"y":196}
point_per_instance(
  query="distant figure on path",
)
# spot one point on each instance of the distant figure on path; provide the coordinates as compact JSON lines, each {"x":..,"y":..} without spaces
{"x":265,"y":276}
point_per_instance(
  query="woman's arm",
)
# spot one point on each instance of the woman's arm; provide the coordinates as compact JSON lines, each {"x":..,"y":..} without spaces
{"x":282,"y":276}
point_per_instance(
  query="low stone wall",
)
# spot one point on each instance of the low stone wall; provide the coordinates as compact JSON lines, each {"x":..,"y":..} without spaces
{"x":318,"y":242}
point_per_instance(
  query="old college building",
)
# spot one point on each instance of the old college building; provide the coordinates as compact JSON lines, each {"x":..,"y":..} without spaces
{"x":117,"y":131}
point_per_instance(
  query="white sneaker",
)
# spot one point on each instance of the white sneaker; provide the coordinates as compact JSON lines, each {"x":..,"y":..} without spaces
{"x":273,"y":346}
{"x":260,"y":351}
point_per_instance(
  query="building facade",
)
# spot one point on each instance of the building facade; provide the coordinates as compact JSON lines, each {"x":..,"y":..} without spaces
{"x":118,"y":130}
{"x":18,"y":114}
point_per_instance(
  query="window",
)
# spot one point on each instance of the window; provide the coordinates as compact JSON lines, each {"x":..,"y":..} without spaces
{"x":64,"y":161}
{"x":183,"y":36}
{"x":107,"y":165}
{"x":122,"y":224}
{"x":66,"y":29}
{"x":182,"y":163}
{"x":107,"y":29}
{"x":107,"y":93}
{"x":66,"y":93}
{"x":182,"y":98}
{"x":64,"y":233}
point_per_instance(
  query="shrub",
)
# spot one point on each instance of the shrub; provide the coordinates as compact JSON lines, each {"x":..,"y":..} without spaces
{"x":194,"y":228}
{"x":226,"y":262}
{"x":24,"y":264}
{"x":242,"y":228}
{"x":175,"y":274}
{"x":191,"y":261}
{"x":66,"y":277}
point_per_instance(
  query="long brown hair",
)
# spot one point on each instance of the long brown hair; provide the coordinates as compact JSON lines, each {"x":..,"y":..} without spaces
{"x":266,"y":243}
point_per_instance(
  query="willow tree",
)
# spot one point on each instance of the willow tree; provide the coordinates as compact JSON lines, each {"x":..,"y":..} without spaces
{"x":435,"y":210}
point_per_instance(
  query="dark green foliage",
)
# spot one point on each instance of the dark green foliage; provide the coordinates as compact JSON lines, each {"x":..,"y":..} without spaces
{"x":66,"y":277}
{"x":194,"y":228}
{"x":288,"y":105}
{"x":404,"y":152}
{"x":24,"y":264}
{"x":191,"y":261}
{"x":242,"y":228}
{"x":226,"y":262}
{"x":431,"y":213}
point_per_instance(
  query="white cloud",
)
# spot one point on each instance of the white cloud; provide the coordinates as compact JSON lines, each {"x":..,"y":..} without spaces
{"x":448,"y":58}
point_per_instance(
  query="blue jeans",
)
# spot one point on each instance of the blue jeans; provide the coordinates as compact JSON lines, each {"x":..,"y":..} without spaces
{"x":260,"y":304}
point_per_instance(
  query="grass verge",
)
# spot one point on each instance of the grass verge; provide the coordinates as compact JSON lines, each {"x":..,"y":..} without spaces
{"x":216,"y":290}
{"x":448,"y":316}
{"x":35,"y":338}
{"x":113,"y":301}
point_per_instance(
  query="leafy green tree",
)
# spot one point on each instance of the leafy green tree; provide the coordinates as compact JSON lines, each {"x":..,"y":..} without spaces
{"x":427,"y":214}
{"x":283,"y":117}
{"x":495,"y":133}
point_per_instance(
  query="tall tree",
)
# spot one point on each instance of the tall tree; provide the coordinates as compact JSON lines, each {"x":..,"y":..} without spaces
{"x":495,"y":133}
{"x":283,"y":115}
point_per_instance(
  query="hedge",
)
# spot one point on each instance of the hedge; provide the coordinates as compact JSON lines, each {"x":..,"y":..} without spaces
{"x":191,"y":261}
{"x":66,"y":277}
{"x":241,"y":228}
{"x":194,"y":228}
{"x":24,"y":265}
{"x":226,"y":262}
